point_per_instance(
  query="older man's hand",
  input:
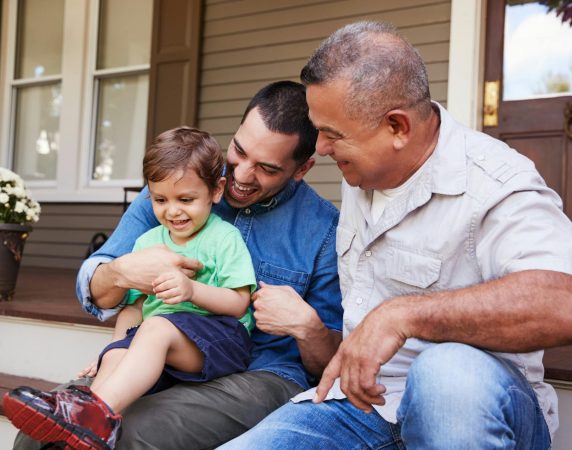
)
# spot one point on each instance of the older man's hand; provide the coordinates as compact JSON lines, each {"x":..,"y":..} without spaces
{"x":358,"y":359}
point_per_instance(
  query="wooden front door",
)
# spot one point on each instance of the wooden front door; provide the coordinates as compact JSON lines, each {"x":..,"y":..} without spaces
{"x":532,"y":61}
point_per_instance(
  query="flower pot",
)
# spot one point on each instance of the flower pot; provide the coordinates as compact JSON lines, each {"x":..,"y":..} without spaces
{"x":12,"y":239}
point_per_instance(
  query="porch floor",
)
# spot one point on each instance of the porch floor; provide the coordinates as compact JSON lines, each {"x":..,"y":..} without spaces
{"x":49,"y":294}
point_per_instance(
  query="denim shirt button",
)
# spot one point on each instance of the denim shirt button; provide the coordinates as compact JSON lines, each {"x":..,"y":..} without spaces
{"x":247,"y":211}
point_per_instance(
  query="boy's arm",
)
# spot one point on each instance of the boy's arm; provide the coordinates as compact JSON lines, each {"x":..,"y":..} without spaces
{"x":174,"y":287}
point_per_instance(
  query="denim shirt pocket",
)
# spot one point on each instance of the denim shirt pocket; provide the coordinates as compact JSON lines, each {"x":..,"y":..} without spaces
{"x":411,"y":268}
{"x":272,"y":274}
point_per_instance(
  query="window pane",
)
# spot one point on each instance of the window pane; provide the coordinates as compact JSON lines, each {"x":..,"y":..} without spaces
{"x":121,"y":126}
{"x":537,"y":52}
{"x":40,"y":37}
{"x":124,"y":33}
{"x":36,"y":142}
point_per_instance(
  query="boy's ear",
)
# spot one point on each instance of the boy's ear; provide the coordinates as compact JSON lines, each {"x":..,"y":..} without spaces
{"x":219,"y":190}
{"x":302,"y":169}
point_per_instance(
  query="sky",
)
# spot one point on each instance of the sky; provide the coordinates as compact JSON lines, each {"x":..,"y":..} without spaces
{"x":537,"y":46}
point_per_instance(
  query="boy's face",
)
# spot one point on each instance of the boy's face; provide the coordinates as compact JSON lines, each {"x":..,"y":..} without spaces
{"x":260,"y":163}
{"x":182,"y":203}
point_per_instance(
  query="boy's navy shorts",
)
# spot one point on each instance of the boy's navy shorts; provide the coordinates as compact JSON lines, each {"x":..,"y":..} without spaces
{"x":223,"y":340}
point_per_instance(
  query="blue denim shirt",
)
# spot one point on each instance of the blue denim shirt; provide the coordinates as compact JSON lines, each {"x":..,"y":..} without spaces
{"x":292,"y":242}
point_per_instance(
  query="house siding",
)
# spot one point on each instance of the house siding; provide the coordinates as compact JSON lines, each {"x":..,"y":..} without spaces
{"x":245,"y":45}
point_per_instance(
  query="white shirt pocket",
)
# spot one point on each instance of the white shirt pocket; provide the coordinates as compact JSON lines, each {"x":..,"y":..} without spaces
{"x":411,"y":268}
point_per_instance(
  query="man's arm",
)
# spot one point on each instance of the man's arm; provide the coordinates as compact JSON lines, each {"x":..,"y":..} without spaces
{"x":520,"y":312}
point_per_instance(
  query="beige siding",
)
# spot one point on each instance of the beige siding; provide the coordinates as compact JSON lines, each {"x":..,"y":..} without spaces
{"x":61,"y":237}
{"x":249,"y":43}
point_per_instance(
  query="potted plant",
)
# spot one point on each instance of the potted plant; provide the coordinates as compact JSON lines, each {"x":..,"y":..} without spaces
{"x":17,"y":211}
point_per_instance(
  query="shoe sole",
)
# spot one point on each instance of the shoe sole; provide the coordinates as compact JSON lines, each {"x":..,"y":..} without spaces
{"x":46,"y":427}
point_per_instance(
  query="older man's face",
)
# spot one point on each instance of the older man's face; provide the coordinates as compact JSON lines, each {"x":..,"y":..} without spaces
{"x":365,"y":155}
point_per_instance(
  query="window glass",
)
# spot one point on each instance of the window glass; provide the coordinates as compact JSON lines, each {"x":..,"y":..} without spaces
{"x":40,"y":37}
{"x":124,"y":33}
{"x":120,"y":128}
{"x":537,"y":52}
{"x":36,"y":136}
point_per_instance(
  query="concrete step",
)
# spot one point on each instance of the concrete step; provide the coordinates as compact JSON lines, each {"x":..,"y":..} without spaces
{"x":48,"y":350}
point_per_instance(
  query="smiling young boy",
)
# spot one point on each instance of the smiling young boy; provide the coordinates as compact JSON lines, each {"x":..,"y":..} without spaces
{"x":192,"y":330}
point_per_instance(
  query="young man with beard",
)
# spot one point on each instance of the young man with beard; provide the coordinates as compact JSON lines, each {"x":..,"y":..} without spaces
{"x":290,"y":233}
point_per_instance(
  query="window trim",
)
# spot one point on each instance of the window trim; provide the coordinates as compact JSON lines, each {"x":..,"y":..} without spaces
{"x":78,"y":114}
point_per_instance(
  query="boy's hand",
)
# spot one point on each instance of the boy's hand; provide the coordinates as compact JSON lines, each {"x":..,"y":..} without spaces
{"x":89,"y":371}
{"x":173,"y":287}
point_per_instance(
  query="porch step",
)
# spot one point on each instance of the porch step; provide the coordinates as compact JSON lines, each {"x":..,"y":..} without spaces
{"x":7,"y":383}
{"x":48,"y":350}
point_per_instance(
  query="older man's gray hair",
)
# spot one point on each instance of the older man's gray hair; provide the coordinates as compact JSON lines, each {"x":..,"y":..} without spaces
{"x":384,"y":71}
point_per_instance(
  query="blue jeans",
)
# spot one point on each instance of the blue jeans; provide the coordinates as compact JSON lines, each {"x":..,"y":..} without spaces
{"x":456,"y":397}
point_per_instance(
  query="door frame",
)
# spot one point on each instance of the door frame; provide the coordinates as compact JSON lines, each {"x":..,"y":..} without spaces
{"x":467,"y":61}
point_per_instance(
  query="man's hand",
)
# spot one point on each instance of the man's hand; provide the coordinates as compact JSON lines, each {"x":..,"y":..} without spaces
{"x":173,"y":287}
{"x":279,"y":310}
{"x":138,"y":270}
{"x":358,"y":360}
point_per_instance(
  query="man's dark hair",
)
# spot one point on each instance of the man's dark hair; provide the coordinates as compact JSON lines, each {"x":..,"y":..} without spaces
{"x":283,"y":108}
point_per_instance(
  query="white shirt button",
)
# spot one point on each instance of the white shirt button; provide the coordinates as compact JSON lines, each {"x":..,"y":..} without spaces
{"x":481,"y":157}
{"x":359,"y":300}
{"x":368,"y":253}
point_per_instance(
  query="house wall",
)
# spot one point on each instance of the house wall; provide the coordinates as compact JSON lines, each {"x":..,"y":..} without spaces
{"x":247,"y":44}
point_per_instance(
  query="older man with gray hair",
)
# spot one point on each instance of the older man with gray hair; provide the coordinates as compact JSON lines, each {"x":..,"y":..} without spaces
{"x":455,"y":264}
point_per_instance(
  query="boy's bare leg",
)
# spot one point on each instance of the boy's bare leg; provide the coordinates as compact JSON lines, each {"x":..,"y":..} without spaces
{"x":109,"y":363}
{"x":156,"y":343}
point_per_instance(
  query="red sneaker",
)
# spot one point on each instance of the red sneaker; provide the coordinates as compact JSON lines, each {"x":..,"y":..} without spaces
{"x":74,"y":416}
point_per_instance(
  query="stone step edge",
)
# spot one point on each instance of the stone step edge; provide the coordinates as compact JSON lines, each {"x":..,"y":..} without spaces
{"x":9,"y":382}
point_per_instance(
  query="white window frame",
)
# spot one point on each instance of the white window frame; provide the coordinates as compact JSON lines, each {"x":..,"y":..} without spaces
{"x":79,"y":77}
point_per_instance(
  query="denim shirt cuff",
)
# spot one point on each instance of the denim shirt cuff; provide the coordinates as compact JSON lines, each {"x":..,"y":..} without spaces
{"x":83,"y":293}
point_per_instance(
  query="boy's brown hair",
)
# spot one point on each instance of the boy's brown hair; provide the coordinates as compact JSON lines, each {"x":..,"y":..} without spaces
{"x":184,"y":148}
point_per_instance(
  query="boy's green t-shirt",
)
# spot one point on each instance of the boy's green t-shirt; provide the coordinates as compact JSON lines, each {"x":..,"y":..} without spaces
{"x":224,"y":255}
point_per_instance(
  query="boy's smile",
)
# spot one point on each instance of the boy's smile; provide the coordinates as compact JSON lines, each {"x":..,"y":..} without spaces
{"x":182,"y":202}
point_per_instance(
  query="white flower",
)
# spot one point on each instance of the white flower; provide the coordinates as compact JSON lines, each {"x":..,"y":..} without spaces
{"x":16,"y":203}
{"x":19,"y":207}
{"x":19,"y":192}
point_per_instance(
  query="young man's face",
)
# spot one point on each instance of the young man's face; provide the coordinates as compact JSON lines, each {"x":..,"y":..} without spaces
{"x":259,"y":163}
{"x":182,"y":202}
{"x":365,"y":155}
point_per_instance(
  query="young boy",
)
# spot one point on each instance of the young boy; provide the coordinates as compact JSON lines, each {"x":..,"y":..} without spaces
{"x":192,"y":329}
